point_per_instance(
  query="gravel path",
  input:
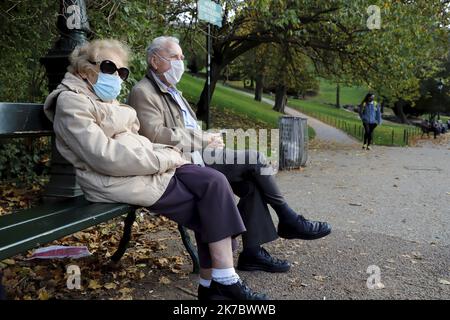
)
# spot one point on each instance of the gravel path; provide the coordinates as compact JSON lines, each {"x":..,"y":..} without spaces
{"x":389,"y":207}
{"x":324,"y":132}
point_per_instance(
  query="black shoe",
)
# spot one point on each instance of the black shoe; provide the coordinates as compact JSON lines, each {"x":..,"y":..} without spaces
{"x":203,"y":293}
{"x":262,"y":261}
{"x":237,"y":291}
{"x":303,"y":229}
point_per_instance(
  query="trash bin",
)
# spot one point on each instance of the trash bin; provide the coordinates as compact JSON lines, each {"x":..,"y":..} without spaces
{"x":293,"y":142}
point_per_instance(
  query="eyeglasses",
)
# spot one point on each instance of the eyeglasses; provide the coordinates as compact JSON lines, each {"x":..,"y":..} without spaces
{"x":169,"y":59}
{"x":109,"y":67}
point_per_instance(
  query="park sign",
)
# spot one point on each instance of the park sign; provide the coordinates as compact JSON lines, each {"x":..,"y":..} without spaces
{"x":210,"y":12}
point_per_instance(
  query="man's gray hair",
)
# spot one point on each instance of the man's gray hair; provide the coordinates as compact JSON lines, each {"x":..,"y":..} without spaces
{"x":158,"y":44}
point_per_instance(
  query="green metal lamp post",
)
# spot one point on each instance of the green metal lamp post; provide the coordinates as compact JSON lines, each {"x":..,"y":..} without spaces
{"x":73,"y":29}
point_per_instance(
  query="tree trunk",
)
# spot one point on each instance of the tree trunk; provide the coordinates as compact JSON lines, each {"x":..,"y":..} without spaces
{"x":259,"y":87}
{"x":398,"y":111}
{"x":202,"y":102}
{"x":338,"y":95}
{"x":280,"y":98}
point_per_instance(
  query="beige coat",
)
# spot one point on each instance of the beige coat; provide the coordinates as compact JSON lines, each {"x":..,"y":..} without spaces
{"x":113,"y":162}
{"x":161,"y":117}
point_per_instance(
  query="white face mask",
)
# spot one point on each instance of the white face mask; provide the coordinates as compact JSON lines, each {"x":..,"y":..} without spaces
{"x":174,"y":74}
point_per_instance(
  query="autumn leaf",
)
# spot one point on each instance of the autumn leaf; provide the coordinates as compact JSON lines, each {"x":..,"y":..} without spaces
{"x":43,"y":294}
{"x":164,"y":280}
{"x":320,"y":278}
{"x":9,"y":262}
{"x":94,"y":285}
{"x":110,"y":286}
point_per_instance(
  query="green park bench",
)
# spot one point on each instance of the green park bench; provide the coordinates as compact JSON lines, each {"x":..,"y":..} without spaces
{"x":64,"y":210}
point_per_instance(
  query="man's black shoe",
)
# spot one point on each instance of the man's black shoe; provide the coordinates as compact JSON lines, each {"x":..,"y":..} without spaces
{"x":203,"y":293}
{"x":237,"y":291}
{"x":303,"y":229}
{"x":262,"y":261}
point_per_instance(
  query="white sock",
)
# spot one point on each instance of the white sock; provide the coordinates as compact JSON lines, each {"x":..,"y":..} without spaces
{"x":225,"y":276}
{"x":204,"y":282}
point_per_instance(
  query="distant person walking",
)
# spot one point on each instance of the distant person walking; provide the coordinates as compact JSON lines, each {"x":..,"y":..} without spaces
{"x":370,"y":114}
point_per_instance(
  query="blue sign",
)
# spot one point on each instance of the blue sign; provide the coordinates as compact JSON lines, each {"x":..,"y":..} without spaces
{"x":210,"y":11}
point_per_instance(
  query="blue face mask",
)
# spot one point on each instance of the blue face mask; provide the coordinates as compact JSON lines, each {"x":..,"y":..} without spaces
{"x":107,"y":86}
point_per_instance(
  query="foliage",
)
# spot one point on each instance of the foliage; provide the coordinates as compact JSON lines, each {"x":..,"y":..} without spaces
{"x":25,"y":159}
{"x":335,"y":36}
{"x":387,"y":134}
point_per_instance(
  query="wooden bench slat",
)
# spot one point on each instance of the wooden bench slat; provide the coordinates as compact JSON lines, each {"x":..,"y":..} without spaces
{"x":22,"y":120}
{"x":25,"y":215}
{"x":22,"y":235}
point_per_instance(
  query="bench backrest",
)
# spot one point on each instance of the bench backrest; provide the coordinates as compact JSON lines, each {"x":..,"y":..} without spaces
{"x":23,"y":120}
{"x":18,"y":120}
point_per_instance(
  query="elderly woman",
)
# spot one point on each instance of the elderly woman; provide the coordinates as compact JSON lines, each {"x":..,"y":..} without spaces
{"x":99,"y":136}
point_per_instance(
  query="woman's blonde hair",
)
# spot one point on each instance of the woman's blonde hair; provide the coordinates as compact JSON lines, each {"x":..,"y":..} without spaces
{"x":80,"y":57}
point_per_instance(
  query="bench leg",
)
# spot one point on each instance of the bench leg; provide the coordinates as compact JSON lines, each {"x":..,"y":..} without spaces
{"x":129,"y":220}
{"x":2,"y":289}
{"x":190,"y":248}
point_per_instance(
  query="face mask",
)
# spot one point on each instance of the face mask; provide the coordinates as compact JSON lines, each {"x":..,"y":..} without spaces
{"x":174,"y":74}
{"x":107,"y":86}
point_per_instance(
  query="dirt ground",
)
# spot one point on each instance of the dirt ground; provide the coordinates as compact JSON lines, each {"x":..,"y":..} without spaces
{"x":390,"y":212}
{"x":390,"y":209}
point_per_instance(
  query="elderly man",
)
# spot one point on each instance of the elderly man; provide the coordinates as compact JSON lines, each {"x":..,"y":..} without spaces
{"x":166,"y":117}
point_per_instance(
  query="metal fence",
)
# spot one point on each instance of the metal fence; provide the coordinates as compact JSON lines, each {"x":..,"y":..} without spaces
{"x":390,"y":136}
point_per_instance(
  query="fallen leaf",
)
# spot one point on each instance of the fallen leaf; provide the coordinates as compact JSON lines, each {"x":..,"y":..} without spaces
{"x":164,"y":280}
{"x":110,"y":286}
{"x":320,"y":278}
{"x":161,"y":262}
{"x":9,"y":262}
{"x":43,"y":295}
{"x":94,"y":285}
{"x":125,"y":291}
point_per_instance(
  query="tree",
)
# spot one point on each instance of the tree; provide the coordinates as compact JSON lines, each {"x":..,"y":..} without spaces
{"x":288,"y":71}
{"x":335,"y":36}
{"x":256,"y":22}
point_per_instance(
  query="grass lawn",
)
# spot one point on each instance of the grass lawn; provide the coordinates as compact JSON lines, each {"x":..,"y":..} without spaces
{"x":348,"y":95}
{"x":226,"y":100}
{"x":322,"y":108}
